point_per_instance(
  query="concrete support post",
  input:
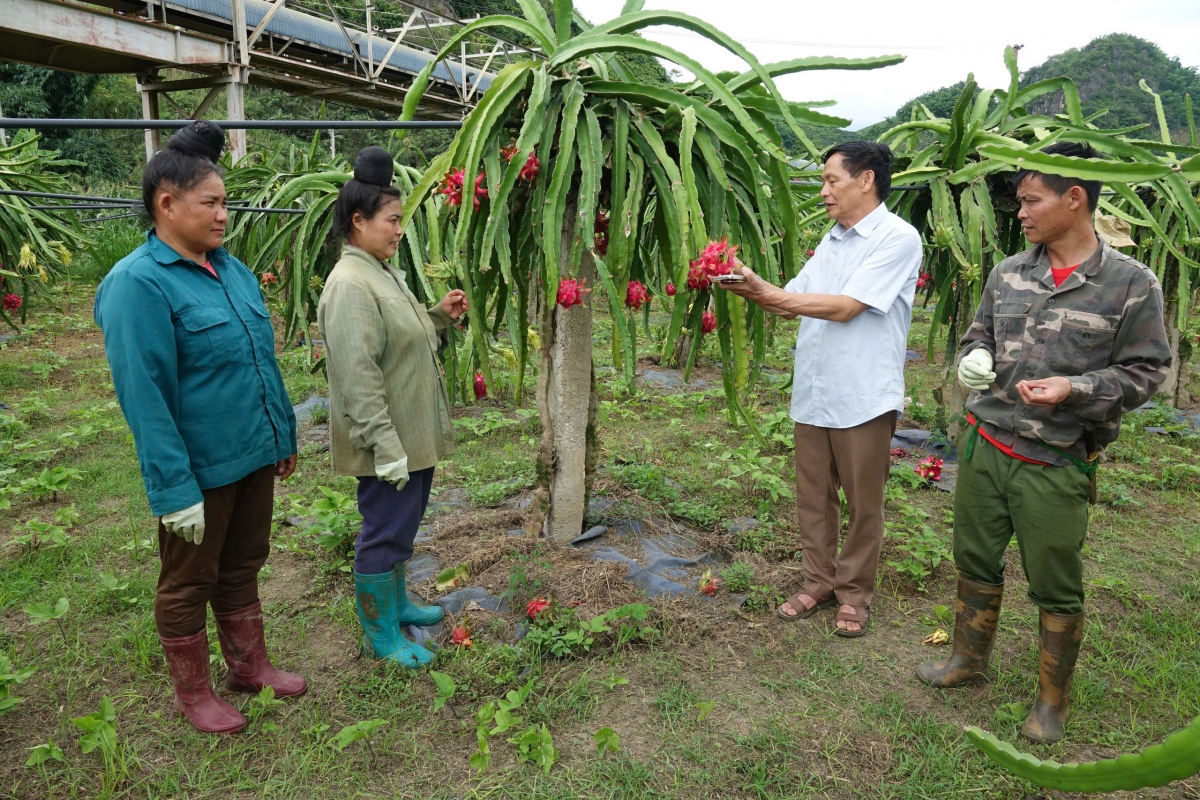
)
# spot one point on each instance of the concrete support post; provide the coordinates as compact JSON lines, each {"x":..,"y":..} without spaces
{"x":234,"y":92}
{"x":150,"y":111}
{"x":236,"y":109}
{"x":567,"y":404}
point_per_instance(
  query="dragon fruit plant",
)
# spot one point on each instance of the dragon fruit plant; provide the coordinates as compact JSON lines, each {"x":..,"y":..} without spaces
{"x":631,"y":182}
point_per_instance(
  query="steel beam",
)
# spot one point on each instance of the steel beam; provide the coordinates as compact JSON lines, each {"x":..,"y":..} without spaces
{"x":75,"y":37}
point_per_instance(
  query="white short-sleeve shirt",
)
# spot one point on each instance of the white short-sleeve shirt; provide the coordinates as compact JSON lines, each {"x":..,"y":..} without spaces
{"x":848,"y":373}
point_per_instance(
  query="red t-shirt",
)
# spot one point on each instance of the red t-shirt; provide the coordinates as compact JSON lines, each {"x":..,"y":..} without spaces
{"x":1003,"y":448}
{"x":211,"y":270}
{"x":1061,"y":275}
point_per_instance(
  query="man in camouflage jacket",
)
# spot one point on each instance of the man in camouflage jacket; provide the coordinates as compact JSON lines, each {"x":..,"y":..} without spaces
{"x":1068,"y":336}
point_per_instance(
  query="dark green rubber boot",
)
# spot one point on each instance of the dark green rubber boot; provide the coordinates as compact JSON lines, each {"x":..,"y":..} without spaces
{"x":408,"y":612}
{"x":377,"y":608}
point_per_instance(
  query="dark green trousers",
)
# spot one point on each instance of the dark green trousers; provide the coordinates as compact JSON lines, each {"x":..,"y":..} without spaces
{"x":998,"y":496}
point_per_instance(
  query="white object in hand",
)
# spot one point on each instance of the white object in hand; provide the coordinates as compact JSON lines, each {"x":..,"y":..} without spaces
{"x":395,"y":473}
{"x":188,"y":523}
{"x":975,"y":369}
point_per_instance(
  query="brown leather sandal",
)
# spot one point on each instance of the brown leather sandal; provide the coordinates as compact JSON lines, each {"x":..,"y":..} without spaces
{"x":802,"y":613}
{"x":859,"y":615}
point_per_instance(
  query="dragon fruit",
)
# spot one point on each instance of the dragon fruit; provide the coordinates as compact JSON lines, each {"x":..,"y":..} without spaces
{"x":571,"y":292}
{"x":930,"y":469}
{"x":480,"y":386}
{"x":670,"y":290}
{"x":717,"y":258}
{"x":698,"y":278}
{"x":452,"y":187}
{"x":12,"y":302}
{"x":531,"y":169}
{"x":923,"y":280}
{"x":708,"y":322}
{"x":636,"y":295}
{"x":536,"y":606}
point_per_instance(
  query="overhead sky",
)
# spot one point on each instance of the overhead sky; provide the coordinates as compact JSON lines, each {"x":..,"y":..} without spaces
{"x":943,"y":39}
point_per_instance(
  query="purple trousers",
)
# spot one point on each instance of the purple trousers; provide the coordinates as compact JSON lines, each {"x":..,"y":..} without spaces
{"x":390,"y":520}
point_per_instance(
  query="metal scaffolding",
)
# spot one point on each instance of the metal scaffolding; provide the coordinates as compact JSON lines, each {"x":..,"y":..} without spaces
{"x":304,"y":47}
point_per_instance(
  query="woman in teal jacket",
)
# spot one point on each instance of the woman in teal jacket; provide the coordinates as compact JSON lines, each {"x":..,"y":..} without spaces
{"x":192,"y":353}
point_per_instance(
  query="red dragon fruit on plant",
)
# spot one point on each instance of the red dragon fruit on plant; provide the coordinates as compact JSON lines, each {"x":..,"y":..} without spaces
{"x":708,"y":322}
{"x":636,"y":295}
{"x":923,"y":280}
{"x":452,"y":187}
{"x":12,"y":302}
{"x":601,"y":233}
{"x":571,"y":292}
{"x":480,"y":386}
{"x":531,"y":169}
{"x":268,"y":278}
{"x":508,"y":152}
{"x":670,"y":290}
{"x":930,"y":469}
{"x":809,"y":253}
{"x":480,"y":190}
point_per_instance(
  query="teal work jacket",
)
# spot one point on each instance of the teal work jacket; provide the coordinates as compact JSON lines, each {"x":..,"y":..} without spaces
{"x":193,"y":364}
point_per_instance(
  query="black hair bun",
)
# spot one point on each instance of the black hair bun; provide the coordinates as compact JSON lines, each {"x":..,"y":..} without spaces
{"x":373,"y":165}
{"x":201,"y":138}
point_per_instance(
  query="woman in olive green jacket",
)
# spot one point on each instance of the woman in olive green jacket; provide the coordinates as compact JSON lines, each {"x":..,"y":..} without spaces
{"x":390,"y":414}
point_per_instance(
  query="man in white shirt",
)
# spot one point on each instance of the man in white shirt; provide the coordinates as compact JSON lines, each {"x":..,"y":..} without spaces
{"x":856,"y":294}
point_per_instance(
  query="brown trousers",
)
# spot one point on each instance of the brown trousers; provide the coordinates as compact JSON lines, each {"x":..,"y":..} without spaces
{"x":857,"y":460}
{"x":223,"y":568}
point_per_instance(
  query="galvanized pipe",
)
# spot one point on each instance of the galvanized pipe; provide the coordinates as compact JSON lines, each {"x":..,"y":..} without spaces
{"x":230,"y":124}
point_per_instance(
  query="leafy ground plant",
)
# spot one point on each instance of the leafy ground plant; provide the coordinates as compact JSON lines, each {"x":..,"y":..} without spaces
{"x":358,"y":732}
{"x":9,"y":678}
{"x":41,"y":613}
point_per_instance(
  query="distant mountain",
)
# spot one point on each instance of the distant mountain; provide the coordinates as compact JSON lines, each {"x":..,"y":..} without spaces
{"x":1106,"y":70}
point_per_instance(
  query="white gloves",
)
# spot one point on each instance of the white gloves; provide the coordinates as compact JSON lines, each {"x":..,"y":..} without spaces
{"x":395,"y":473}
{"x":975,"y":369}
{"x":188,"y":523}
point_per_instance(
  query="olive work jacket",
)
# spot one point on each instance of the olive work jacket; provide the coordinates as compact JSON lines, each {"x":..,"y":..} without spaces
{"x":1103,"y":329}
{"x":387,"y":391}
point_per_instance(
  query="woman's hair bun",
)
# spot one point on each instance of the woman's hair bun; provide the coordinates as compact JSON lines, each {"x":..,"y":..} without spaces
{"x":373,"y":165}
{"x":201,"y":138}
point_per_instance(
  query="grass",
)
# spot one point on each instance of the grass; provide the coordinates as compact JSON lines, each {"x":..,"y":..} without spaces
{"x":719,"y":702}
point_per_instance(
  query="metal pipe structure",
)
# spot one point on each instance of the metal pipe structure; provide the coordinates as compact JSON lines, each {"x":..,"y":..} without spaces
{"x":138,"y":205}
{"x":87,"y":202}
{"x":228,"y":124}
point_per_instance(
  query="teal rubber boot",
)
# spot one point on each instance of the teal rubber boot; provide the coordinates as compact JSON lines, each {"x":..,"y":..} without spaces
{"x":408,"y":612}
{"x":376,"y":601}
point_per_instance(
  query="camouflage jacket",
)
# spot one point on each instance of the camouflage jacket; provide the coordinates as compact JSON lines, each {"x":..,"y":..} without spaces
{"x":1103,"y":329}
